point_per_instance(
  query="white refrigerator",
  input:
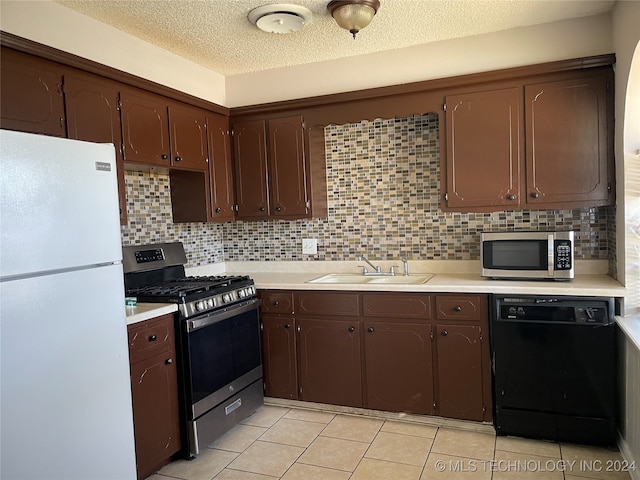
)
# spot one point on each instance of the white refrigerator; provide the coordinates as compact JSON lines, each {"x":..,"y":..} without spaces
{"x":65,"y":394}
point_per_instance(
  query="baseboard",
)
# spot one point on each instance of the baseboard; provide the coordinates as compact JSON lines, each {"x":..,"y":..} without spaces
{"x":627,"y":455}
{"x":483,"y":427}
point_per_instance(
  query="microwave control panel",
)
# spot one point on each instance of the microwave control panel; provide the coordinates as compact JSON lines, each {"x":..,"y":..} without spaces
{"x":562,"y":255}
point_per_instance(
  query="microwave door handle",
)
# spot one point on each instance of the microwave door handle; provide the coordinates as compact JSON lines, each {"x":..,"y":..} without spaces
{"x":550,"y":255}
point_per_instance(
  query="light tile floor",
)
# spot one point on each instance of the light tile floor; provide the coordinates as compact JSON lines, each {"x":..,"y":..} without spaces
{"x":296,"y":444}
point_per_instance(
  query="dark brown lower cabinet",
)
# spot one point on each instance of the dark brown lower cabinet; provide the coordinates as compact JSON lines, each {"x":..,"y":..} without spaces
{"x":330,"y":361}
{"x":398,"y":367}
{"x":460,"y":371}
{"x":463,"y":373}
{"x":154,"y":390}
{"x":279,"y":358}
{"x":399,"y":352}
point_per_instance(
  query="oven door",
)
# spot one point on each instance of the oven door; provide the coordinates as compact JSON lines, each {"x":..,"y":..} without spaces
{"x":222,"y":355}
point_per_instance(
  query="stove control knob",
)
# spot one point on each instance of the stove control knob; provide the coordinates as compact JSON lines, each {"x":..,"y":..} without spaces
{"x":210,"y":303}
{"x":226,"y":298}
{"x":200,"y":306}
{"x":242,"y":293}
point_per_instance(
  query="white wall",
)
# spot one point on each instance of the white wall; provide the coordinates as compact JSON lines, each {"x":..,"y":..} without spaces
{"x":62,"y":28}
{"x":626,"y":38}
{"x":510,"y":48}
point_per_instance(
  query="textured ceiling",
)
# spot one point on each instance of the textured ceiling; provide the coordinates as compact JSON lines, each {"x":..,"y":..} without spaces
{"x":216,"y":33}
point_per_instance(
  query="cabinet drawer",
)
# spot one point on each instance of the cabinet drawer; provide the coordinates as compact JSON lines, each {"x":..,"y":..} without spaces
{"x":461,"y":307}
{"x":327,"y":303}
{"x":276,"y":301}
{"x":151,"y":337}
{"x":396,"y":305}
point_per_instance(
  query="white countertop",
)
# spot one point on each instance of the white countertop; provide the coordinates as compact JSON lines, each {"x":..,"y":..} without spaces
{"x":146,"y":311}
{"x":582,"y":285}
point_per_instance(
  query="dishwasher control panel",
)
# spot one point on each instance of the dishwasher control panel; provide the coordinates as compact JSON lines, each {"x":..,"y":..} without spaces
{"x":587,"y":310}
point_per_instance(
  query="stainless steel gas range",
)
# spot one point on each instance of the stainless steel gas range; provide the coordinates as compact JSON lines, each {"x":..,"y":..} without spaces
{"x":217,"y":339}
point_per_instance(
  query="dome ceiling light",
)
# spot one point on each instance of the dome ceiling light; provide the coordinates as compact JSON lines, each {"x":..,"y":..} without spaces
{"x":353,"y":15}
{"x":280,"y":18}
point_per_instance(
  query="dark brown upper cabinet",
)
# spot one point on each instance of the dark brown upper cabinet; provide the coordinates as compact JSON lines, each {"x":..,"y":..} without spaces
{"x":288,"y":168}
{"x":250,"y":159}
{"x":188,"y":137}
{"x":31,"y":92}
{"x":93,"y":115}
{"x":220,"y":169}
{"x":165,"y":135}
{"x":555,"y":152}
{"x":145,"y":129}
{"x":568,"y":143}
{"x":271,"y":169}
{"x":483,"y":148}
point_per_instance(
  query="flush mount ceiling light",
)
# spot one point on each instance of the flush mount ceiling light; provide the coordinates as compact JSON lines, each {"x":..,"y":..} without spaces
{"x":280,"y":18}
{"x":353,"y":15}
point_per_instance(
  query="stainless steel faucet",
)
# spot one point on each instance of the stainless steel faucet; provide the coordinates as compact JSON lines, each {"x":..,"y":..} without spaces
{"x":405,"y":267}
{"x":377,"y":269}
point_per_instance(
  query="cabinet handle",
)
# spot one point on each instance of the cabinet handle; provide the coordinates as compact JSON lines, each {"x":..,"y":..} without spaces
{"x":286,"y":325}
{"x":352,"y":329}
{"x":164,"y":156}
{"x":276,"y":303}
{"x":178,"y":159}
{"x":457,"y":308}
{"x":278,"y":209}
{"x":152,"y":338}
{"x":444,"y":333}
{"x":169,"y":361}
{"x":262,"y":209}
{"x":218,"y":210}
{"x":511,"y":197}
{"x":370,"y":329}
{"x":535,"y":195}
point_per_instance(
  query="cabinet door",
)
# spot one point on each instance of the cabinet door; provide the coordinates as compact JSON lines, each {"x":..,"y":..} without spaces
{"x":93,"y":116}
{"x":279,"y":357}
{"x":252,"y":184}
{"x":330,"y":361}
{"x":483,"y":149}
{"x":155,"y":411}
{"x":188,"y":134}
{"x":145,"y":129}
{"x":220,"y":169}
{"x":398,"y":367}
{"x":288,"y":168}
{"x":568,"y":142}
{"x":31,"y":91}
{"x":460,"y":372}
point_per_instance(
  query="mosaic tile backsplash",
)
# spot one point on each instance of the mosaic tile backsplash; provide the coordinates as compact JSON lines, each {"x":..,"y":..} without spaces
{"x":383,"y":201}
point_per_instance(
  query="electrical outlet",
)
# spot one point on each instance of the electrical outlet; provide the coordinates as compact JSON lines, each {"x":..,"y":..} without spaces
{"x":310,"y":246}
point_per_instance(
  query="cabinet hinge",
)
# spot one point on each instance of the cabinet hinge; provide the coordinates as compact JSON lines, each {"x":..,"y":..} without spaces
{"x":435,"y":405}
{"x":444,"y":107}
{"x":60,"y":88}
{"x":484,"y":408}
{"x":299,"y":389}
{"x":609,"y":187}
{"x":431,"y":334}
{"x":261,"y":327}
{"x":298,"y":328}
{"x":119,"y":104}
{"x":446,"y":196}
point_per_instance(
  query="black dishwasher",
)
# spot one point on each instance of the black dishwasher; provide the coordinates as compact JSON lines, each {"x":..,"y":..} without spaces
{"x":554,"y":368}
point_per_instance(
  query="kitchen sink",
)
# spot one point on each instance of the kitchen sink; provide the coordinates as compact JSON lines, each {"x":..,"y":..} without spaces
{"x":352,"y":278}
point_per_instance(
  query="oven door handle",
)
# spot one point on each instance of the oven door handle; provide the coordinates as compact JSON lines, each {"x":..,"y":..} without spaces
{"x":220,"y":315}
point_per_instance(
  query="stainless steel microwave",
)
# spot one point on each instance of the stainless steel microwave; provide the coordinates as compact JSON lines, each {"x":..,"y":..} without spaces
{"x":527,"y":255}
